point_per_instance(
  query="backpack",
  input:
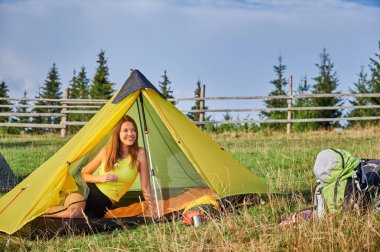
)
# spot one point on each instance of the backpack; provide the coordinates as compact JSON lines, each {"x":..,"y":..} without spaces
{"x":344,"y":181}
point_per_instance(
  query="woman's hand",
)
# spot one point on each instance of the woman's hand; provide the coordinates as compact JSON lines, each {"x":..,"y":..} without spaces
{"x":110,"y":177}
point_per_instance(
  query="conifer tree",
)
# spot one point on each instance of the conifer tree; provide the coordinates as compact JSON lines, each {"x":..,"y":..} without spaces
{"x":279,"y":84}
{"x":53,"y":91}
{"x":37,"y":109}
{"x":79,"y":89}
{"x":101,"y":87}
{"x":326,"y":83}
{"x":73,"y":89}
{"x":50,"y":90}
{"x":303,"y":88}
{"x":194,"y":116}
{"x":374,"y":83}
{"x":361,"y":87}
{"x":79,"y":85}
{"x":23,"y":109}
{"x":165,"y":87}
{"x":4,"y":94}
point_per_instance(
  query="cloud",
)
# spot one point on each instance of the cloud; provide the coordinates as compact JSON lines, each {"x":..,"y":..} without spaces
{"x":276,"y":4}
{"x":230,"y":45}
{"x":19,"y":76}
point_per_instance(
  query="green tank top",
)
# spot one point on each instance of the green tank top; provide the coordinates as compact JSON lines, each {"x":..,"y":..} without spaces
{"x":126,"y":176}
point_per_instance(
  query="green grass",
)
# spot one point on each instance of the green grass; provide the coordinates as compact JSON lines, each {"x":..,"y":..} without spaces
{"x":24,"y":153}
{"x":285,"y":162}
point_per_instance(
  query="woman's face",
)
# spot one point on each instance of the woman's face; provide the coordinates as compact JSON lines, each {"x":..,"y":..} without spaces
{"x":127,"y":134}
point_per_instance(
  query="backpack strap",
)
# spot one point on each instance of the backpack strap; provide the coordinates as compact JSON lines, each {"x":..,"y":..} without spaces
{"x":338,"y":181}
{"x":341,"y":156}
{"x":363,"y":177}
{"x":319,"y":203}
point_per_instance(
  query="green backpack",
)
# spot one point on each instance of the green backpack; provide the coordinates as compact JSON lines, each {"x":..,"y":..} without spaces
{"x":336,"y":171}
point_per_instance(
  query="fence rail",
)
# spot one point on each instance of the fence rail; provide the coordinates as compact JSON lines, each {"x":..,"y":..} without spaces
{"x":90,"y":106}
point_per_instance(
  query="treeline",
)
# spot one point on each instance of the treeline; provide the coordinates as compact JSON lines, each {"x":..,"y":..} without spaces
{"x":80,"y":86}
{"x":327,"y":81}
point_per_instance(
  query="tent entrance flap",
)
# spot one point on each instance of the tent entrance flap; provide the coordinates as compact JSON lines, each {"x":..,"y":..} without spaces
{"x":172,"y":174}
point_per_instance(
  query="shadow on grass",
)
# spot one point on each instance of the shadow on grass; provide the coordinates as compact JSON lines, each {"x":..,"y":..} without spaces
{"x":272,"y":207}
{"x":50,"y":227}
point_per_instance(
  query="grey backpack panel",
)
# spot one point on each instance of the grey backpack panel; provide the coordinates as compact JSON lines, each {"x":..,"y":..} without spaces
{"x":325,"y":162}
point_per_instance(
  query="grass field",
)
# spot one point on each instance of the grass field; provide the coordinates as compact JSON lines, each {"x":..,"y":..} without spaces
{"x":285,"y":162}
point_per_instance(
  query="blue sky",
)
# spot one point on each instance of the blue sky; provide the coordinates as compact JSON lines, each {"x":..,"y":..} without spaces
{"x":231,"y":46}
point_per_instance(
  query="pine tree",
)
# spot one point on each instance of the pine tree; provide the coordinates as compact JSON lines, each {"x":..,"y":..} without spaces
{"x":194,"y":116}
{"x":279,"y":84}
{"x":6,"y":109}
{"x":37,"y":109}
{"x":53,"y":91}
{"x":361,"y":87}
{"x":303,"y":88}
{"x":374,"y":83}
{"x":101,"y":87}
{"x":165,"y":87}
{"x":50,"y":90}
{"x":23,"y":109}
{"x":326,"y":83}
{"x":79,"y":89}
{"x":4,"y":94}
{"x":79,"y":85}
{"x":73,"y":90}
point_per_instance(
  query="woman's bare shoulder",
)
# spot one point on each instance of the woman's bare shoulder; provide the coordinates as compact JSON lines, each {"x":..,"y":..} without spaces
{"x":141,"y":151}
{"x":102,"y":154}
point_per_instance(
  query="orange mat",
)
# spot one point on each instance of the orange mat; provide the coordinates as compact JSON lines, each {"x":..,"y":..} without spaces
{"x":173,"y":204}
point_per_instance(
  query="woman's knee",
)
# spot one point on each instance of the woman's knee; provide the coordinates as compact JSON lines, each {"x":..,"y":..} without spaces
{"x":76,"y":210}
{"x":75,"y":204}
{"x":73,"y":198}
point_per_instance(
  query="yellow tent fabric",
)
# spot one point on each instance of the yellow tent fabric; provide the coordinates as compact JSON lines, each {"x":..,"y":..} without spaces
{"x":42,"y":188}
{"x":220,"y":171}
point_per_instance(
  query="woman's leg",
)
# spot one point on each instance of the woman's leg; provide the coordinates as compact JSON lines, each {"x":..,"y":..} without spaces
{"x":72,"y":207}
{"x":97,"y":203}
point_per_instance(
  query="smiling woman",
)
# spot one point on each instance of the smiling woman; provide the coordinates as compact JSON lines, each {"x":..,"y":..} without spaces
{"x":109,"y":175}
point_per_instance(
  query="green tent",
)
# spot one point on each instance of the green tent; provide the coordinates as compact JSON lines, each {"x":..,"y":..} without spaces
{"x":186,"y":166}
{"x":7,"y":179}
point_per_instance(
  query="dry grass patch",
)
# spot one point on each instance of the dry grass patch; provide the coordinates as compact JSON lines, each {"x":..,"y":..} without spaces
{"x":284,"y":161}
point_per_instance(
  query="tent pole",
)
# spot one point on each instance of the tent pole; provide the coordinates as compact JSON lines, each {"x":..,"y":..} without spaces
{"x":151,"y":171}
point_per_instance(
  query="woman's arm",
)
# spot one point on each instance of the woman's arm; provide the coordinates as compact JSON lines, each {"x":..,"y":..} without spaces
{"x":89,"y":169}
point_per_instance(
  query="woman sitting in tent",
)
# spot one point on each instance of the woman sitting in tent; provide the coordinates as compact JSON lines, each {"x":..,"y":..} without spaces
{"x":109,"y":175}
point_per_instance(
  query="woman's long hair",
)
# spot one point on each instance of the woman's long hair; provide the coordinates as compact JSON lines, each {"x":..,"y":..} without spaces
{"x":114,"y":151}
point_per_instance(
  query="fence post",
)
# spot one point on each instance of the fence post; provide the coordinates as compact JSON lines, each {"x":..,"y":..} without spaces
{"x":289,"y":124}
{"x":202,"y":106}
{"x":64,"y":111}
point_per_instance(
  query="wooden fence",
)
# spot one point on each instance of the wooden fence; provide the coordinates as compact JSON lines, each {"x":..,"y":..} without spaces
{"x":87,"y":106}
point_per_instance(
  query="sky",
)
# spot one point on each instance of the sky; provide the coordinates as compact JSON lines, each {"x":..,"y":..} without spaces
{"x":231,"y":46}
